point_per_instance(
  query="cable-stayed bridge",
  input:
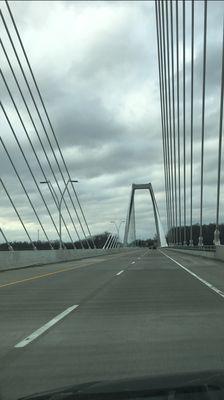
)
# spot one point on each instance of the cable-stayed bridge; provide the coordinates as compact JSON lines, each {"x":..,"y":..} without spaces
{"x":183,"y":118}
{"x":38,"y":129}
{"x":116,"y":312}
{"x":186,"y":113}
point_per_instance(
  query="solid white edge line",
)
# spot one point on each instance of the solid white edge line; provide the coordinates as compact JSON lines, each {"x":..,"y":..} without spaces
{"x":119,"y":273}
{"x":45,"y":327}
{"x":209,"y":285}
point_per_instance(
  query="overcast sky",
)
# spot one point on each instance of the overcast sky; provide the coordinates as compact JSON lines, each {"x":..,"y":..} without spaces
{"x":96,"y":66}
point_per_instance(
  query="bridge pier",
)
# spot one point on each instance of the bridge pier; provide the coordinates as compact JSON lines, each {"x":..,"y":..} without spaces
{"x":131,"y":214}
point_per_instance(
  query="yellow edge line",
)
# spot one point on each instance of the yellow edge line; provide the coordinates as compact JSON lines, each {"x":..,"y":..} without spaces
{"x":48,"y":274}
{"x":38,"y":277}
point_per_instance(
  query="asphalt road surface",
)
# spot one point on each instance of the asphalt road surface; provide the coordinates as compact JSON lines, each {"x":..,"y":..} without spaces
{"x":133,"y":314}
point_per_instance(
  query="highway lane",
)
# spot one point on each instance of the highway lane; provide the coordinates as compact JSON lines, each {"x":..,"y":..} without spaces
{"x":29,"y":297}
{"x":151,"y":318}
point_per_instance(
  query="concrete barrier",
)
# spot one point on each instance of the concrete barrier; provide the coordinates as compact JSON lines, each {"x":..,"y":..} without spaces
{"x":219,"y":254}
{"x":25,"y":258}
{"x":200,"y":253}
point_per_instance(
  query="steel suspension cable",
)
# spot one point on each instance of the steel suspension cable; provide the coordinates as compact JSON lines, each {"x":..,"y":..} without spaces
{"x":161,"y":107}
{"x":165,"y":126}
{"x":17,"y":213}
{"x":31,"y":144}
{"x":105,"y":244}
{"x":192,"y":121}
{"x":184,"y":122}
{"x":170,"y":119}
{"x":216,"y":233}
{"x":200,"y":242}
{"x":35,"y":128}
{"x":28,"y":166}
{"x":163,"y":70}
{"x":167,"y":120}
{"x":174,"y":122}
{"x":6,"y":240}
{"x":41,"y":120}
{"x":178,"y":124}
{"x":26,"y":193}
{"x":48,"y":118}
{"x":109,"y":242}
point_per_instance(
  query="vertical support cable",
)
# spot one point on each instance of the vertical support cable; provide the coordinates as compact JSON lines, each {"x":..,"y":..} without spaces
{"x":178,"y":123}
{"x":170,"y":120}
{"x":200,"y":240}
{"x":217,"y":233}
{"x":192,"y":120}
{"x":161,"y":104}
{"x":174,"y":122}
{"x":167,"y":123}
{"x":184,"y":124}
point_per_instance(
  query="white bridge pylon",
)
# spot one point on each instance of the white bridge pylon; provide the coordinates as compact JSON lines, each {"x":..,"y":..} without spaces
{"x":131,"y":214}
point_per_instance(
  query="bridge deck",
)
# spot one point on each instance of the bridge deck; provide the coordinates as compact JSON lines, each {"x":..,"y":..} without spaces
{"x":153,"y":317}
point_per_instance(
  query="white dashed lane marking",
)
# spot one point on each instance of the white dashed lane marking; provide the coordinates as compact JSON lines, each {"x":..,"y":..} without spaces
{"x":119,"y":273}
{"x":45,"y":327}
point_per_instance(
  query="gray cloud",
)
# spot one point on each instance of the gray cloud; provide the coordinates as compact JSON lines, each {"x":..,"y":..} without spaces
{"x":96,"y":65}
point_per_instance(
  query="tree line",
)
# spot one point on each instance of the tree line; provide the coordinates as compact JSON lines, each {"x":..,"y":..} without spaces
{"x":99,"y":241}
{"x":207,"y":233}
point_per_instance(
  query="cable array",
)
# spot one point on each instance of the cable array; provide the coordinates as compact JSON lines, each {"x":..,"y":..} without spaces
{"x":178,"y":123}
{"x":49,"y":157}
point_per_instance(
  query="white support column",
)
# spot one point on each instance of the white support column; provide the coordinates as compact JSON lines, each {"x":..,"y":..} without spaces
{"x":159,"y":228}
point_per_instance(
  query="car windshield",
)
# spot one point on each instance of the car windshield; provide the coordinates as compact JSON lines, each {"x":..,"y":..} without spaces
{"x":111,"y":198}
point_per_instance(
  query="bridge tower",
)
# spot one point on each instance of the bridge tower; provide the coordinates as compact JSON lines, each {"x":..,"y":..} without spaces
{"x":130,"y":220}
